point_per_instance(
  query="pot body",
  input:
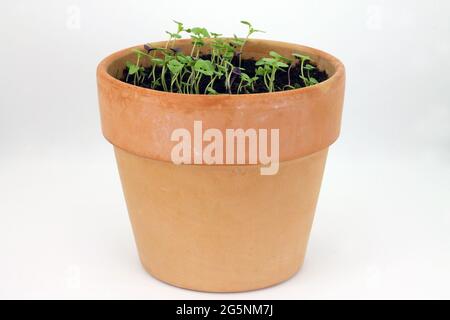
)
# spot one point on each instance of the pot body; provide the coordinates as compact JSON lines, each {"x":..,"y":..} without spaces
{"x":221,"y":228}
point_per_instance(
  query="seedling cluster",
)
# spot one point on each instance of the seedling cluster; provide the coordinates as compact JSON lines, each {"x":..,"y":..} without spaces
{"x":222,"y":70}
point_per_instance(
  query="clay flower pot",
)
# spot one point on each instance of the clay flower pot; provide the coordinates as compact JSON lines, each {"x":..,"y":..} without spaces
{"x":221,"y":228}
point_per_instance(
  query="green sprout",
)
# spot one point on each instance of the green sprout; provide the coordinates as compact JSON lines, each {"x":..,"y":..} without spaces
{"x":250,"y":31}
{"x":175,"y":68}
{"x":210,"y":90}
{"x":173,"y":36}
{"x":247,"y":83}
{"x":135,"y":69}
{"x":156,"y":80}
{"x":167,"y":68}
{"x":198,"y":36}
{"x":268,"y":68}
{"x":308,"y":80}
{"x":202,"y":68}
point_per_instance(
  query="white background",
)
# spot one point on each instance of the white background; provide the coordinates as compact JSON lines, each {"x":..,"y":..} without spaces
{"x":382,"y":227}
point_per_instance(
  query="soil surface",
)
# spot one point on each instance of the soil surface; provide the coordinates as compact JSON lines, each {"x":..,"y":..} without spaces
{"x":285,"y":80}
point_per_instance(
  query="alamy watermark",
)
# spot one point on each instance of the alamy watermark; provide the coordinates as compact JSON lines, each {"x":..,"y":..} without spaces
{"x":73,"y":17}
{"x":192,"y":150}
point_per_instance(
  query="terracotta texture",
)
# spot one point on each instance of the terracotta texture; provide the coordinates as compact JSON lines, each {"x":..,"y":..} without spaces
{"x":219,"y":227}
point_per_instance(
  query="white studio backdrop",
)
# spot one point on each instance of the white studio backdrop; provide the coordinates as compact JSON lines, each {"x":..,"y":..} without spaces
{"x":382,"y":227}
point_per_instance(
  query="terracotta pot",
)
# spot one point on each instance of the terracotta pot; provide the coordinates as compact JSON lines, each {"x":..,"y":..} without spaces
{"x":221,"y":228}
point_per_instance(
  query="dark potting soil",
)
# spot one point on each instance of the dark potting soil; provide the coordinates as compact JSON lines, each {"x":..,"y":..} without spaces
{"x":291,"y":76}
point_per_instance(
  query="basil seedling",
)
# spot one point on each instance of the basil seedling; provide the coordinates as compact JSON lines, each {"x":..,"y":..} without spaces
{"x":222,"y":70}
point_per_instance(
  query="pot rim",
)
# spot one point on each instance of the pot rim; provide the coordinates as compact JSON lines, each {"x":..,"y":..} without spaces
{"x":102,"y":71}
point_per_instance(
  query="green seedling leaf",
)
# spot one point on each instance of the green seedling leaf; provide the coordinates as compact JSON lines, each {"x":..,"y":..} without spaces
{"x":280,"y":64}
{"x":275,"y":55}
{"x":252,"y":31}
{"x":175,"y":66}
{"x":219,"y":74}
{"x":278,"y":56}
{"x":211,"y":90}
{"x":158,"y":61}
{"x":260,"y":62}
{"x":270,"y":62}
{"x":237,"y":41}
{"x":198,"y":42}
{"x":133,"y":69}
{"x":313,"y":81}
{"x":200,"y":32}
{"x":140,"y":53}
{"x":245,"y":77}
{"x":179,"y":26}
{"x":204,"y":66}
{"x":221,"y":68}
{"x":228,"y":47}
{"x":260,"y":71}
{"x":182,"y":58}
{"x":228,"y":55}
{"x":301,"y":57}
